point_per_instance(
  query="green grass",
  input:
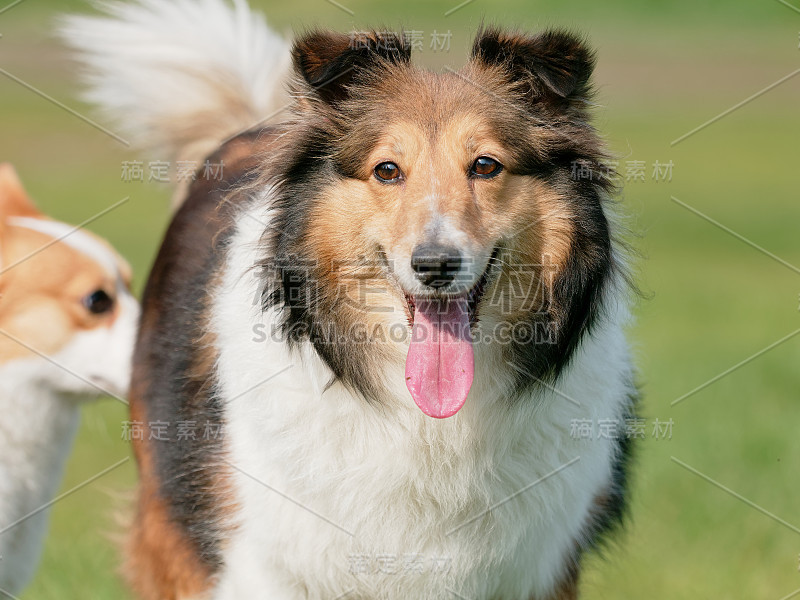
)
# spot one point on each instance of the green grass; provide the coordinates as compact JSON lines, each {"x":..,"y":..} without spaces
{"x":711,"y":299}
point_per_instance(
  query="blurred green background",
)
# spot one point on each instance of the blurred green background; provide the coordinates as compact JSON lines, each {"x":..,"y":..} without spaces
{"x":712,"y":301}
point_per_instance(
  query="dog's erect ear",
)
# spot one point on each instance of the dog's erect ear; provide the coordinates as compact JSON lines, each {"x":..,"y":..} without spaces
{"x":555,"y":66}
{"x":14,"y":201}
{"x":329,"y":61}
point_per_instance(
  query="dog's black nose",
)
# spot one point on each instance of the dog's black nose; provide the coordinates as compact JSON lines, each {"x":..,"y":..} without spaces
{"x":436,"y":265}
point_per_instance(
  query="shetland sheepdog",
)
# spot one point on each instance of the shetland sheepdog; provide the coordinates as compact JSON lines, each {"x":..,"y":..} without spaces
{"x":390,"y":311}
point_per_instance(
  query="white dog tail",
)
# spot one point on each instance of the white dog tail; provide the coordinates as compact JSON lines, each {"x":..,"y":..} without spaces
{"x":178,"y":77}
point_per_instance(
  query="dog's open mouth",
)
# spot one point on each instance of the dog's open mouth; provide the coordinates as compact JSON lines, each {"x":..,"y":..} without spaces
{"x":440,"y":364}
{"x":473,"y":296}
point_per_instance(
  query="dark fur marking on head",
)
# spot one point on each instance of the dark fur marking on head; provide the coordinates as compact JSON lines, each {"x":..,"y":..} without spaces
{"x":328,"y":62}
{"x":551,"y":67}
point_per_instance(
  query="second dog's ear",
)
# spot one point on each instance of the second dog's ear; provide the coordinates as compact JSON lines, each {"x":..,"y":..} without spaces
{"x":554,"y":66}
{"x":328,"y":61}
{"x":14,"y":201}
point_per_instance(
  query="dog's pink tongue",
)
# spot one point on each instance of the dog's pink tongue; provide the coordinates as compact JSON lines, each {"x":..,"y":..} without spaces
{"x":440,"y":363}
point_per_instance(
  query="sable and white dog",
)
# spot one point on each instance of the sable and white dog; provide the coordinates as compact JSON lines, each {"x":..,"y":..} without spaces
{"x":395,"y":303}
{"x":67,"y":329}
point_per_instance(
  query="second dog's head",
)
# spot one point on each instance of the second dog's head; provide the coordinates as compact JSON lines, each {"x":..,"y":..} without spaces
{"x":67,"y":315}
{"x":444,"y":207}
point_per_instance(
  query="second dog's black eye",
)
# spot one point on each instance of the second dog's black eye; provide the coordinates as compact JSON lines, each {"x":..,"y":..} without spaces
{"x":98,"y":302}
{"x":485,"y":167}
{"x":387,"y":172}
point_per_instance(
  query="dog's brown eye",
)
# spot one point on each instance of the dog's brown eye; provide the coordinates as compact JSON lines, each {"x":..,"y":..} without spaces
{"x":387,"y":172}
{"x":485,"y":167}
{"x":98,"y":302}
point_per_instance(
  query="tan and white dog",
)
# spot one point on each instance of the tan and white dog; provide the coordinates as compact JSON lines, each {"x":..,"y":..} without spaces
{"x":67,"y":324}
{"x":395,"y":303}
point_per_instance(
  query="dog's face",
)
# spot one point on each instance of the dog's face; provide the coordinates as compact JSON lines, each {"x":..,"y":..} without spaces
{"x":68,"y":318}
{"x":446,"y":202}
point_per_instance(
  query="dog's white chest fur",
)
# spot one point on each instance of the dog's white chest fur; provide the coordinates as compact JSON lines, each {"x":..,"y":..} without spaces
{"x":36,"y":434}
{"x":336,"y":498}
